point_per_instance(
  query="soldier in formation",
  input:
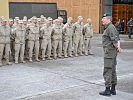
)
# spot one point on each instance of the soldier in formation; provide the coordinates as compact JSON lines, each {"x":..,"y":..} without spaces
{"x":43,"y":37}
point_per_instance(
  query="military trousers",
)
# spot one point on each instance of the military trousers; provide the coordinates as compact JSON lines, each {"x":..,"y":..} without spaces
{"x":57,"y":47}
{"x":78,"y":44}
{"x":68,"y":47}
{"x":12,"y":44}
{"x":5,"y":47}
{"x":46,"y":45}
{"x":109,"y":72}
{"x":87,"y":45}
{"x":26,"y":49}
{"x":19,"y":50}
{"x":33,"y":45}
{"x":130,"y":31}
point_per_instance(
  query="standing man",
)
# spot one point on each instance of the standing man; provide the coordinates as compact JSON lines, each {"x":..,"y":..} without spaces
{"x":46,"y":32}
{"x":88,"y":34}
{"x":57,"y":39}
{"x":20,"y":36}
{"x":78,"y":36}
{"x":67,"y":37}
{"x":111,"y":46}
{"x":11,"y":25}
{"x":33,"y":39}
{"x":4,"y":41}
{"x":130,"y":27}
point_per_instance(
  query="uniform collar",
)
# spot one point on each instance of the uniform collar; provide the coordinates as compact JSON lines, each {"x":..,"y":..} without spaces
{"x":105,"y":26}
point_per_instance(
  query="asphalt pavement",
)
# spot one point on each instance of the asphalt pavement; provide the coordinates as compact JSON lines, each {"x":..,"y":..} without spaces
{"x":76,"y":78}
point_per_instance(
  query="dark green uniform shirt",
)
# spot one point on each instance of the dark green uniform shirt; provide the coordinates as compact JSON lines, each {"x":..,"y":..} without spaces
{"x":110,"y":37}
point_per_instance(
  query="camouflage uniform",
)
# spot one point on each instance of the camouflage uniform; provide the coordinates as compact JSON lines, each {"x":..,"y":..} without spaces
{"x":33,"y":40}
{"x":46,"y":32}
{"x":78,"y":38}
{"x":88,"y":34}
{"x":20,"y":36}
{"x":4,"y":41}
{"x":67,"y":38}
{"x":57,"y":39}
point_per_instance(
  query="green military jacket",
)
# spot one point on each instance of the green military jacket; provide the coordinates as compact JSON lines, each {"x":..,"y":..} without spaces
{"x":109,"y":38}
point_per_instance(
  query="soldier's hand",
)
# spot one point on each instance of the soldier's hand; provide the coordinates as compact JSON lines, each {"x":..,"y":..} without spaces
{"x":119,"y":49}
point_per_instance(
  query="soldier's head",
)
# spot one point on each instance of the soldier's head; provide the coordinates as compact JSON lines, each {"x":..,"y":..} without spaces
{"x":11,"y":22}
{"x":34,"y":19}
{"x":42,"y":18}
{"x":24,"y":21}
{"x":16,"y":20}
{"x":57,"y":21}
{"x":29,"y":21}
{"x":47,"y":23}
{"x":39,"y":20}
{"x":80,"y":19}
{"x":89,"y":21}
{"x":106,"y":19}
{"x":3,"y":21}
{"x":20,"y":23}
{"x":60,"y":19}
{"x":50,"y":20}
{"x":69,"y":20}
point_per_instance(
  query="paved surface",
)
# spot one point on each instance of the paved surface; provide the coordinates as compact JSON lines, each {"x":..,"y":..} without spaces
{"x":78,"y":78}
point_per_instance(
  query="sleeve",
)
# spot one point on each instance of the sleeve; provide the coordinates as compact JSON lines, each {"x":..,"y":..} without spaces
{"x":113,"y":34}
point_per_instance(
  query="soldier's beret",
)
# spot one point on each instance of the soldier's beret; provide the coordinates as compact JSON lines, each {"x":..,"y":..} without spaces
{"x":106,"y":15}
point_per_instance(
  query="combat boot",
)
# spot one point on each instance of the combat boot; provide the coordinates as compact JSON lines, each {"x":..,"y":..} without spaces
{"x":49,"y":58}
{"x":113,"y":91}
{"x":7,"y":61}
{"x":30,"y":59}
{"x":16,"y":61}
{"x":106,"y":92}
{"x":65,"y":56}
{"x":37,"y":60}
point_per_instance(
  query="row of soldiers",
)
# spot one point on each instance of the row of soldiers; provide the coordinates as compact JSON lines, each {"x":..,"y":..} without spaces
{"x":43,"y":37}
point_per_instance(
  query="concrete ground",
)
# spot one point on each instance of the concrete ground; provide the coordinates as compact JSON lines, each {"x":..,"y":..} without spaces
{"x":77,"y":78}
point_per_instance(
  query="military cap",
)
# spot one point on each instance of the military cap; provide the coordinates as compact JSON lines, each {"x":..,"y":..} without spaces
{"x":3,"y":18}
{"x":60,"y":18}
{"x":10,"y":19}
{"x":16,"y":18}
{"x":106,"y":15}
{"x":80,"y":17}
{"x":34,"y":17}
{"x":20,"y":21}
{"x":49,"y":18}
{"x":41,"y":16}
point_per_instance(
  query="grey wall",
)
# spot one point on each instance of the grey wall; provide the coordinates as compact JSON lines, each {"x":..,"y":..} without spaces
{"x":108,"y":6}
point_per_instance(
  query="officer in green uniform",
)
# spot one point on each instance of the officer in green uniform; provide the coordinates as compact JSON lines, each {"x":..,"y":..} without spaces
{"x":111,"y":46}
